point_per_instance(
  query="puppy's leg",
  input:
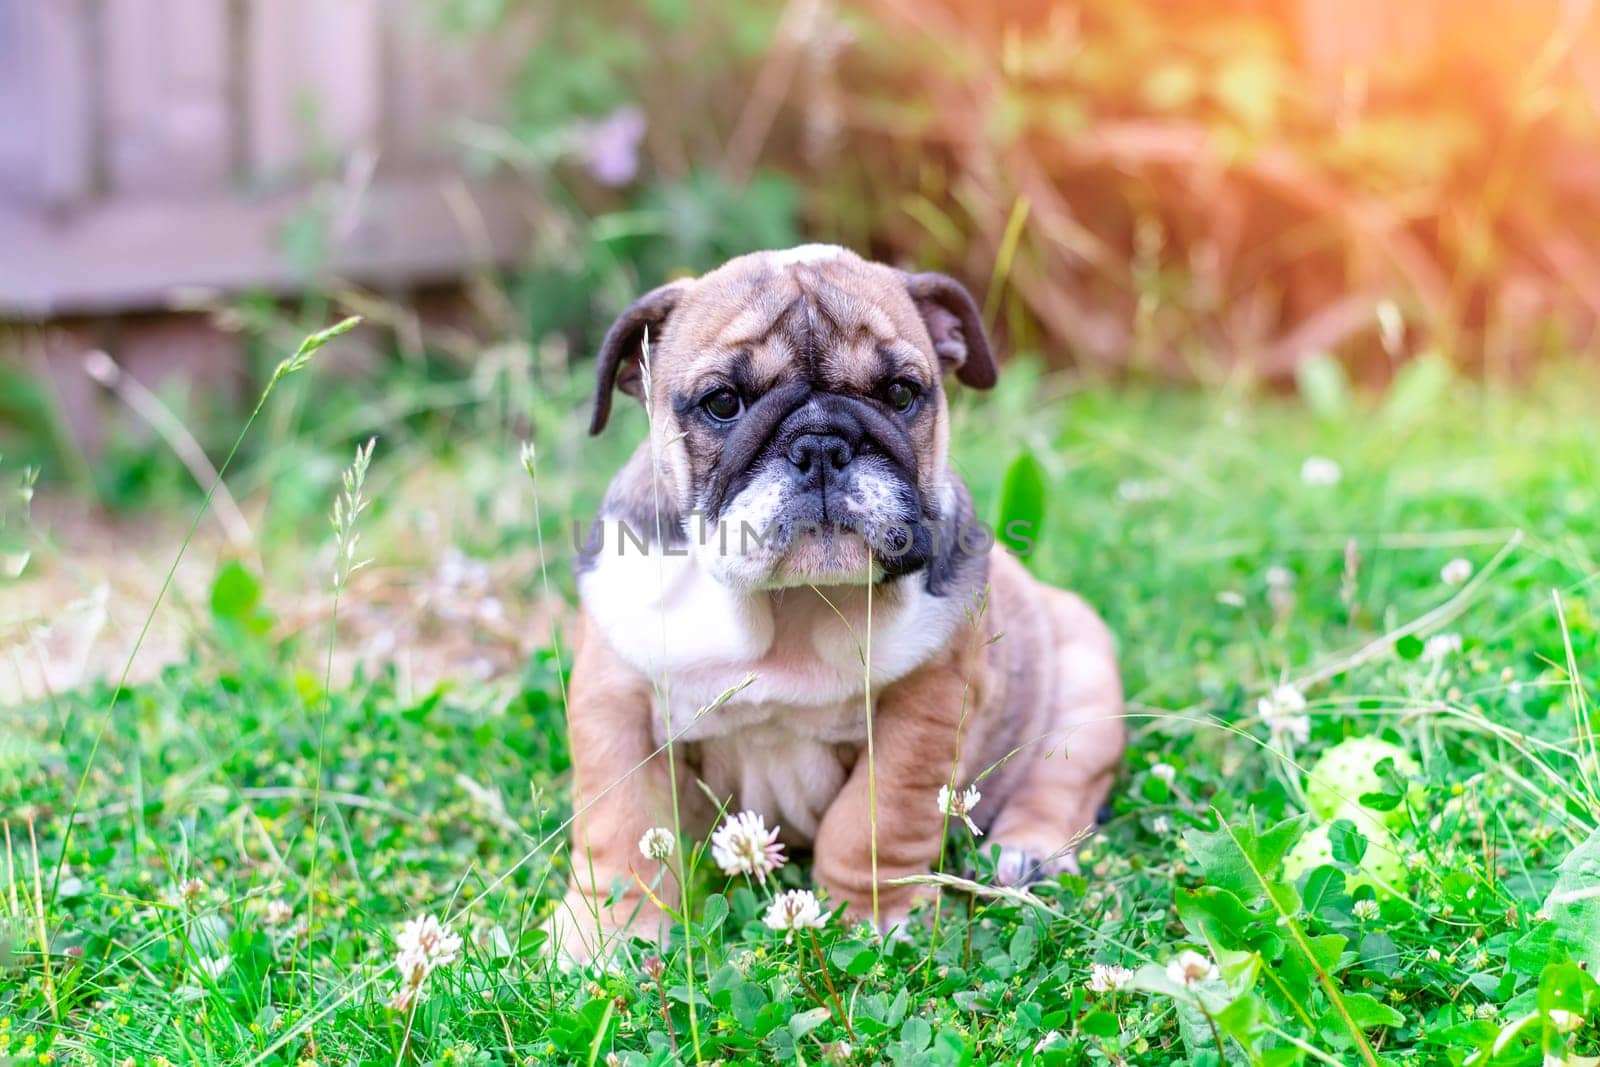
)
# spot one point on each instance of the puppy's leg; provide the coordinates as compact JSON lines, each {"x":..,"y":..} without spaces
{"x":1068,"y":772}
{"x":621,"y":788}
{"x":915,"y":726}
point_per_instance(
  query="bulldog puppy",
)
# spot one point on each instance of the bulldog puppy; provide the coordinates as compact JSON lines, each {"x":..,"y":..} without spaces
{"x":790,"y":553}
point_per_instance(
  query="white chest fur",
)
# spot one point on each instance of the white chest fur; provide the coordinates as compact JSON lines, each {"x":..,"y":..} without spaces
{"x":796,"y":658}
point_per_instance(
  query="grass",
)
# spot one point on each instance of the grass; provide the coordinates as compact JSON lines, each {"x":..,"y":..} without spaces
{"x":250,"y":808}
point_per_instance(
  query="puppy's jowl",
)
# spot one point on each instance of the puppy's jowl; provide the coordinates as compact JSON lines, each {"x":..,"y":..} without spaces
{"x":800,"y":395}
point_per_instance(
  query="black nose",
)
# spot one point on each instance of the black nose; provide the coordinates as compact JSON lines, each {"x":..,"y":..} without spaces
{"x":817,"y":455}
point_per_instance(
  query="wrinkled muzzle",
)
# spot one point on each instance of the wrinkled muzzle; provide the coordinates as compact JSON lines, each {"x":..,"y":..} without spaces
{"x":814,"y":486}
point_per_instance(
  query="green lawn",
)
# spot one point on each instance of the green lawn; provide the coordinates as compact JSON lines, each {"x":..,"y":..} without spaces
{"x":248,"y":845}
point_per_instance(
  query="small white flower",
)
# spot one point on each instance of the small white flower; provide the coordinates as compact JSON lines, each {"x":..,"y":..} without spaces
{"x":1164,"y":771}
{"x":186,"y":894}
{"x":658,"y":844}
{"x":1415,"y":861}
{"x":1283,"y":710}
{"x":1135,"y":490}
{"x":429,"y":939}
{"x":214,"y":967}
{"x":1367,"y":910}
{"x":1485,"y":1010}
{"x":795,"y":910}
{"x":1046,"y":1041}
{"x":1108,"y":978}
{"x":1434,"y":955}
{"x":1565,"y":1021}
{"x":1191,"y":967}
{"x":744,"y":845}
{"x":1320,"y":471}
{"x":1161,"y":825}
{"x":1440,"y":647}
{"x":1279,"y":577}
{"x":279,"y":912}
{"x":960,"y":805}
{"x":1456,"y":572}
{"x":423,"y":946}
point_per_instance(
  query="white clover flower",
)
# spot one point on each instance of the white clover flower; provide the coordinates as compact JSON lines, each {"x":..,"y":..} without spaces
{"x":1046,"y":1041}
{"x":214,"y":967}
{"x":1191,"y":967}
{"x":1164,"y":771}
{"x":1440,"y":647}
{"x":658,"y":844}
{"x":1279,"y":577}
{"x":1456,"y":572}
{"x":279,"y":912}
{"x":1161,"y":825}
{"x":430,"y":939}
{"x":1319,"y":471}
{"x":1433,"y":955}
{"x":795,"y":910}
{"x":190,"y":894}
{"x":1137,"y":491}
{"x":1108,"y":978}
{"x":744,"y":845}
{"x":1366,"y":910}
{"x":960,"y":805}
{"x":1565,"y":1021}
{"x":424,"y":945}
{"x":1485,"y":1010}
{"x":1283,"y":710}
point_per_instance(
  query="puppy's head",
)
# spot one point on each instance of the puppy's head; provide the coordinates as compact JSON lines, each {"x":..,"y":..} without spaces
{"x":798,"y":410}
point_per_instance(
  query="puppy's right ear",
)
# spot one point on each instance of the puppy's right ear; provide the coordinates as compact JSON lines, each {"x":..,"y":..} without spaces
{"x":619,"y":364}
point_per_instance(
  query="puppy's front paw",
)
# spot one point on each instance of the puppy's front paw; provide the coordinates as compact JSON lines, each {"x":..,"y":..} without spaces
{"x":898,"y":913}
{"x":575,"y":934}
{"x":582,"y":930}
{"x":1022,"y":864}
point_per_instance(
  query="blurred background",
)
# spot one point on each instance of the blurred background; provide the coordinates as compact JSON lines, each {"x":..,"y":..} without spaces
{"x":1241,"y":197}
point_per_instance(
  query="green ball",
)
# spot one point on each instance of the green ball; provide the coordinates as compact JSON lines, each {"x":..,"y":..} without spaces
{"x":1349,"y":769}
{"x":1381,"y":866}
{"x":1314,"y":849}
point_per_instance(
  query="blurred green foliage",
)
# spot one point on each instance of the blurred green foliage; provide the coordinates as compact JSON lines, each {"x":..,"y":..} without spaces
{"x":630,"y":202}
{"x":1281,"y":190}
{"x":1180,"y":189}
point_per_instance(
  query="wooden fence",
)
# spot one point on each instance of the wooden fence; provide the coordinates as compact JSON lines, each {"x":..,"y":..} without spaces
{"x":148,"y":147}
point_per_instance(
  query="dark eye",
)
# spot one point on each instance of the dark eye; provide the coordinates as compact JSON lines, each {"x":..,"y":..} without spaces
{"x":724,"y":405}
{"x":902,"y":396}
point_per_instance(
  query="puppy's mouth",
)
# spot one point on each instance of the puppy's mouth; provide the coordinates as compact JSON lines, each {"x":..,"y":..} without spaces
{"x":828,"y":496}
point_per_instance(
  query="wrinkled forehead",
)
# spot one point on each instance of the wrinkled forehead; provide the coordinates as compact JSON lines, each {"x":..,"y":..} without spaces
{"x":839,"y":321}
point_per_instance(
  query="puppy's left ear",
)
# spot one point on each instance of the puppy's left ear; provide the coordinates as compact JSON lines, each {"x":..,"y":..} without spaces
{"x":619,"y":364}
{"x":956,"y":326}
